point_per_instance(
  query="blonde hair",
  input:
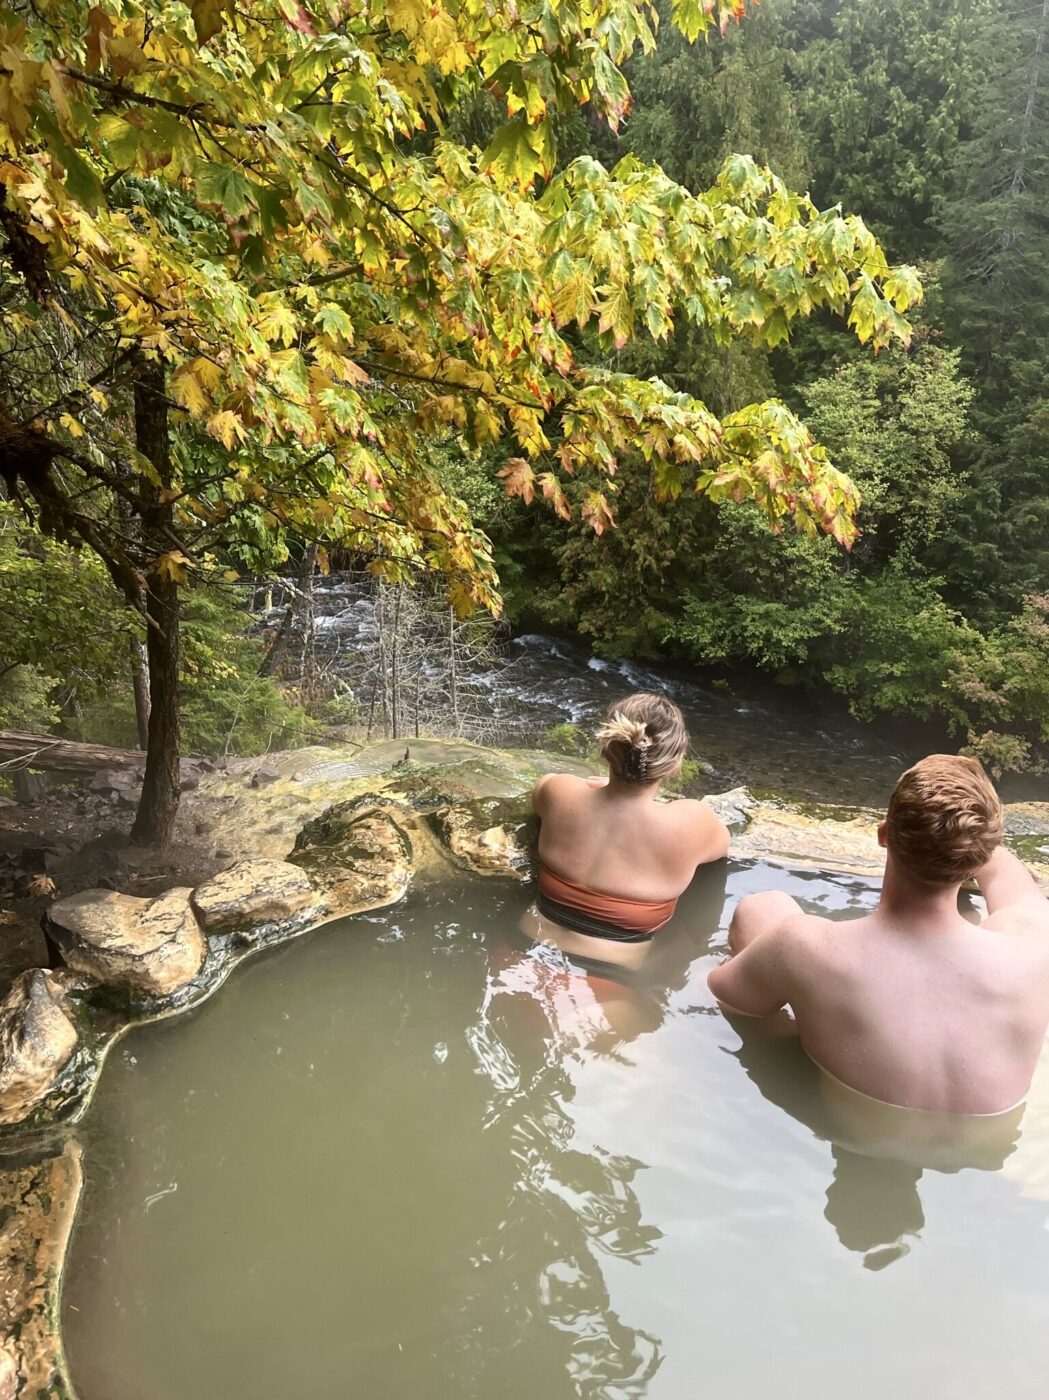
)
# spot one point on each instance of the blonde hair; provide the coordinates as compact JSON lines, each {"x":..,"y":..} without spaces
{"x":643,"y":738}
{"x":944,"y":819}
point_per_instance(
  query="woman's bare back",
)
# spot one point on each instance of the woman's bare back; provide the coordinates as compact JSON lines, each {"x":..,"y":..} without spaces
{"x":619,"y":840}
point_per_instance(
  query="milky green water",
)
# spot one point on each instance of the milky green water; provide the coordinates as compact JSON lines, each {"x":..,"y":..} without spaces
{"x":406,"y":1157}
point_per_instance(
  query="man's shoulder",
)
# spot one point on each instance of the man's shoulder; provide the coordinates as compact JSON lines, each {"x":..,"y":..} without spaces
{"x":808,"y":932}
{"x":1028,"y":917}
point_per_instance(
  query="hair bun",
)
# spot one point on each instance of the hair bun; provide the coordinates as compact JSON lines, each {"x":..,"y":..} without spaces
{"x":618,"y":728}
{"x":642,"y":738}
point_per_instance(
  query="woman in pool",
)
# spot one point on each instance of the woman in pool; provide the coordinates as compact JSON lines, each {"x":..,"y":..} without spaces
{"x":612,"y":860}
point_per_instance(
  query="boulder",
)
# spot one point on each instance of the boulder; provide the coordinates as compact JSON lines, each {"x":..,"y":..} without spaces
{"x":829,"y":838}
{"x":253,"y":892}
{"x":357,"y":854}
{"x":489,"y":837}
{"x":123,"y":780}
{"x":37,"y":1037}
{"x":1027,"y":819}
{"x":153,"y":946}
{"x":734,"y":807}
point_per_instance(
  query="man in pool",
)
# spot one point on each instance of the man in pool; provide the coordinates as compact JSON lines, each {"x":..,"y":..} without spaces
{"x":913,"y":1004}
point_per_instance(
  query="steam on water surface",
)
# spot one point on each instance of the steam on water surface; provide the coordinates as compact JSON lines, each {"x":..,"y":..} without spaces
{"x":407,"y":1158}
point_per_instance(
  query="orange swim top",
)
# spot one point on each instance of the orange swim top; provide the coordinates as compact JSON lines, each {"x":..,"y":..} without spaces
{"x":604,"y":915}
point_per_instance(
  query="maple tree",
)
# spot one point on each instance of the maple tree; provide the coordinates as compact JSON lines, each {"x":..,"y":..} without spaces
{"x":248,"y":282}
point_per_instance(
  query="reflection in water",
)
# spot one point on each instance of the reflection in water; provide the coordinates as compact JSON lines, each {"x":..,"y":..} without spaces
{"x":540,"y":1017}
{"x":536,"y":1014}
{"x":880,"y":1152}
{"x":873,"y":1204}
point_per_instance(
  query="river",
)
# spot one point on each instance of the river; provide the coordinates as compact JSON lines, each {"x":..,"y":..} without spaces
{"x":512,"y":690}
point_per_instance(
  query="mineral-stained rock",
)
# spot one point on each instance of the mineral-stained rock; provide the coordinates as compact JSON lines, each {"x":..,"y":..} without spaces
{"x":37,"y":1037}
{"x":733,"y":807}
{"x":489,"y":836}
{"x":1027,"y":819}
{"x":253,"y":892}
{"x":37,"y":1204}
{"x":153,"y":946}
{"x":357,"y":854}
{"x":834,"y":838}
{"x":8,"y":1375}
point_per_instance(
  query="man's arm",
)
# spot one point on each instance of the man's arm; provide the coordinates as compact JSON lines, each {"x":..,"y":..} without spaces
{"x":756,"y":981}
{"x":1007,"y":885}
{"x":757,"y":914}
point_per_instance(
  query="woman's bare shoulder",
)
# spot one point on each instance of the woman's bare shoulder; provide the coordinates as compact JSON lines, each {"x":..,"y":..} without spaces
{"x":551,"y":786}
{"x":697,"y":822}
{"x":688,"y":812}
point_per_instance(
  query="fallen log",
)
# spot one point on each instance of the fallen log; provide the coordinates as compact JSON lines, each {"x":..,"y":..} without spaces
{"x":53,"y":755}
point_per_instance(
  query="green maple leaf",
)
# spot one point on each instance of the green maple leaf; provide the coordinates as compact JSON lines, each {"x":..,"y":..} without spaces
{"x":513,"y":151}
{"x":223,"y":186}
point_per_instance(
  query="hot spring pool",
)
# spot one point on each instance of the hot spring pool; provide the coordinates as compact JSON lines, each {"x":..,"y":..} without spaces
{"x":406,"y":1157}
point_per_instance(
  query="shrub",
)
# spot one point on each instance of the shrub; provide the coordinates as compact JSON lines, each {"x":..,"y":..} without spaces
{"x":568,"y":739}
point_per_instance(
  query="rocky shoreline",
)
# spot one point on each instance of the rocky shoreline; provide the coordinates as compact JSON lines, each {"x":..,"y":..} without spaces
{"x":310,"y":837}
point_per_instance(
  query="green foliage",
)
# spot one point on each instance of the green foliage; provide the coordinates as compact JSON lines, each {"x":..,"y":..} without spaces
{"x":568,"y":739}
{"x":58,"y":611}
{"x":227,"y":706}
{"x":761,"y":599}
{"x":885,"y":94}
{"x":688,"y":781}
{"x":63,"y":634}
{"x":894,"y":424}
{"x":695,"y":104}
{"x":1005,"y":686}
{"x":27,"y":700}
{"x":65,"y":640}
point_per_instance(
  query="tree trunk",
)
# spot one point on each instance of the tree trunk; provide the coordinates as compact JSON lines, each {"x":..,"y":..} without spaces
{"x":394,"y":675}
{"x":140,"y":683}
{"x":453,"y":673}
{"x":1020,"y":169}
{"x":307,"y":624}
{"x":273,"y":658}
{"x":158,"y":805}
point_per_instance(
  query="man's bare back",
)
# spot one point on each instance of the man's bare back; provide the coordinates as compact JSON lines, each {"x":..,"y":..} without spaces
{"x":912,"y":1004}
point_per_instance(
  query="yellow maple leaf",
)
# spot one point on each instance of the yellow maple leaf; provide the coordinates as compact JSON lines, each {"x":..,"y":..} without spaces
{"x":227,"y":427}
{"x":72,"y":427}
{"x":437,"y":36}
{"x":406,"y":15}
{"x":172,"y":567}
{"x":187,"y":391}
